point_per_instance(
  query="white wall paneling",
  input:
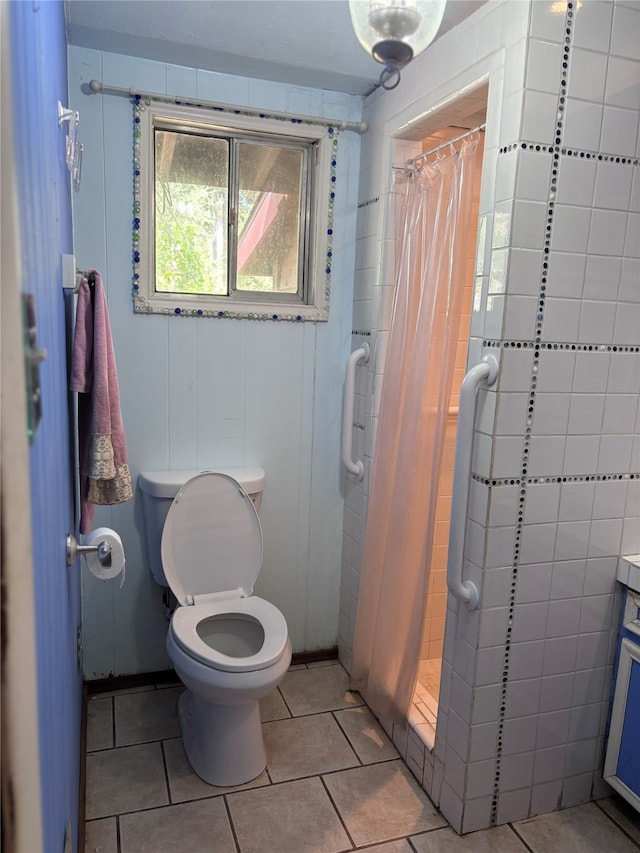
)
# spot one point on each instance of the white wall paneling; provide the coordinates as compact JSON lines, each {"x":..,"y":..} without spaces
{"x":200,"y":393}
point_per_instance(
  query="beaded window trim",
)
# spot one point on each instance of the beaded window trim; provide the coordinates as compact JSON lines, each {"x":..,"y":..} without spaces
{"x":252,"y":312}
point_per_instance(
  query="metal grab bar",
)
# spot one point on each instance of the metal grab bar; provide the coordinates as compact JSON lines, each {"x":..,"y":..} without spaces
{"x":486,"y":371}
{"x":360,"y":354}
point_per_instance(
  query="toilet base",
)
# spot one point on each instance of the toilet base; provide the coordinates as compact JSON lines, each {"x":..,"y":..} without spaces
{"x":223,"y":743}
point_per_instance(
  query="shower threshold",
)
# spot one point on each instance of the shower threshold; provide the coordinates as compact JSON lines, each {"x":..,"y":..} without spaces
{"x":424,"y":709}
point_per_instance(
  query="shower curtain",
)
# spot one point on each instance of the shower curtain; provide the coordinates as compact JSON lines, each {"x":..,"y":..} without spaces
{"x":432,"y":211}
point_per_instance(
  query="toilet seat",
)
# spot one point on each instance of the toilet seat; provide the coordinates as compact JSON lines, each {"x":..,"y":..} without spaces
{"x":211,"y":555}
{"x":184,"y":627}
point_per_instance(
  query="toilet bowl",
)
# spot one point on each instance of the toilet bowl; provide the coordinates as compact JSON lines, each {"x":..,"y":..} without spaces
{"x":228,"y":647}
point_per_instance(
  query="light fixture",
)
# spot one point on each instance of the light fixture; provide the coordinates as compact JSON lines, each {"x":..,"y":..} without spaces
{"x":394,"y":31}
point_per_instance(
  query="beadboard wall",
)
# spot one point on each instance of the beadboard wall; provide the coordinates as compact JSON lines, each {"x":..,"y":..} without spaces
{"x":200,"y":393}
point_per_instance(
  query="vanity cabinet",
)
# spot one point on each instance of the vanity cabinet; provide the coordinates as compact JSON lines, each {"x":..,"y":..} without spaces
{"x":622,"y":759}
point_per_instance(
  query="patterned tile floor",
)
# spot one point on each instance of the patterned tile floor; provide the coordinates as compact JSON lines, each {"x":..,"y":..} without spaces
{"x":334,"y":783}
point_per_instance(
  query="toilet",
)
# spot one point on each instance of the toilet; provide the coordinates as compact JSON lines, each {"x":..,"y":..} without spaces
{"x":228,"y":647}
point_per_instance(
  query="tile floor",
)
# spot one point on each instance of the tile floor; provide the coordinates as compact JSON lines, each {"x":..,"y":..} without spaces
{"x":429,"y":672}
{"x":424,"y":709}
{"x":334,"y":783}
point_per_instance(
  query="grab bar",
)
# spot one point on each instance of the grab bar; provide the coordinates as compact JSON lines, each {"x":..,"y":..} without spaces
{"x":487,"y":371}
{"x":360,"y":354}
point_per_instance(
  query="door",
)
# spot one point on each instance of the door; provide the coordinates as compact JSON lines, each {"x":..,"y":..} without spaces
{"x":43,"y":590}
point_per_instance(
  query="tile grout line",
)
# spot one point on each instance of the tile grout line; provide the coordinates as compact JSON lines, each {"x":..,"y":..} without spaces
{"x":397,"y":757}
{"x":166,"y":773}
{"x":617,"y":824}
{"x":231,"y":824}
{"x":524,"y":462}
{"x":320,"y":776}
{"x":159,"y":807}
{"x":286,"y":704}
{"x":527,"y":846}
{"x":346,"y":737}
{"x":135,"y":743}
{"x":316,"y":713}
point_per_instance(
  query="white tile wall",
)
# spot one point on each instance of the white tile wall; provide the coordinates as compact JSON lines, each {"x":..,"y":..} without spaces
{"x":556,"y":297}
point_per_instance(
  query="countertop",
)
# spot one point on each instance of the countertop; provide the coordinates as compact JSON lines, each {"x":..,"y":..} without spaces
{"x":629,"y":571}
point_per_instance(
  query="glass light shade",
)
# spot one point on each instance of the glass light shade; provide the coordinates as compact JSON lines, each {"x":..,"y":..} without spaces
{"x":396,"y":30}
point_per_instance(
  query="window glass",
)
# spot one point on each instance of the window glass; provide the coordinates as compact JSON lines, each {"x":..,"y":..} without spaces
{"x":191,"y":213}
{"x":270,"y":221}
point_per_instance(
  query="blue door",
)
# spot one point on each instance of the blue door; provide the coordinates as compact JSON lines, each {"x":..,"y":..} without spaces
{"x":38,"y":81}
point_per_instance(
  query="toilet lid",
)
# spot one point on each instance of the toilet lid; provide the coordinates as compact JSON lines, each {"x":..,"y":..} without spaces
{"x":211,"y":540}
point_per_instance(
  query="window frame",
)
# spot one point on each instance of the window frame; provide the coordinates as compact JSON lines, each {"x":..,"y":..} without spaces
{"x":318,"y":227}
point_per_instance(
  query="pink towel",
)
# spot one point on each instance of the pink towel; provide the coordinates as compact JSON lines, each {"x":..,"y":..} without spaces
{"x":104,"y":472}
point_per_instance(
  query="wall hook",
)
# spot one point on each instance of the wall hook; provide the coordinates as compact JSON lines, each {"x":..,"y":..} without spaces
{"x":74,"y":148}
{"x":64,"y":114}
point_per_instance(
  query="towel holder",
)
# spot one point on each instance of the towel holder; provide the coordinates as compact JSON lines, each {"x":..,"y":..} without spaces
{"x":71,"y":275}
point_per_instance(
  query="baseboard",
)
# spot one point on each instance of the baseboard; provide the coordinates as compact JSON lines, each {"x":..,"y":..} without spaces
{"x":129,"y":682}
{"x":82,"y":798}
{"x":311,"y":657}
{"x":168,"y":676}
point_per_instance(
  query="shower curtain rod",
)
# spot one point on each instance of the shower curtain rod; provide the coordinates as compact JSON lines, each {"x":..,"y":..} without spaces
{"x":464,"y":135}
{"x":357,"y":126}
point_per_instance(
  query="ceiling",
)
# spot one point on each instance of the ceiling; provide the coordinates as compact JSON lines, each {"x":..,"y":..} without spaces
{"x":304,"y":42}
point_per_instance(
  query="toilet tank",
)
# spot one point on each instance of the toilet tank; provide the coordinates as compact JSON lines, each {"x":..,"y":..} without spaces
{"x":159,"y":488}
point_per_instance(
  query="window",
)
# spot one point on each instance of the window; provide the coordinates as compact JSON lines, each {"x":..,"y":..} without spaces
{"x":233,"y":213}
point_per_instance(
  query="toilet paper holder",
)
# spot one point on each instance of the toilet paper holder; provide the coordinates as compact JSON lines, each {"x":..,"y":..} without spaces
{"x":73,"y":549}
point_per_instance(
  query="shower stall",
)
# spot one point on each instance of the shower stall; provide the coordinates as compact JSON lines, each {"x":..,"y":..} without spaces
{"x":425,"y":704}
{"x":432,"y":227}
